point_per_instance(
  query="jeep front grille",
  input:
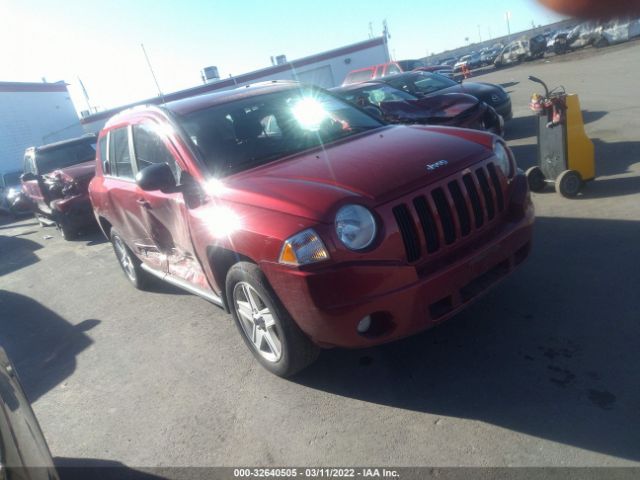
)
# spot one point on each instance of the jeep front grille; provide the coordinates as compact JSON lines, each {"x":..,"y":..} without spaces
{"x":449,"y":211}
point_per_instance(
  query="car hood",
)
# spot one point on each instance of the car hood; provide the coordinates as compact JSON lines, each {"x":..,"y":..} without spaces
{"x":438,"y":107}
{"x":80,"y":171}
{"x":482,"y":91}
{"x":371,"y":168}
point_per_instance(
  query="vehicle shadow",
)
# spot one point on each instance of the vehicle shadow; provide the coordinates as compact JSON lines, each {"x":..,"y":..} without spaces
{"x":610,"y":187}
{"x":83,"y":468}
{"x":93,"y":238}
{"x":21,"y":253}
{"x":42,"y":345}
{"x":527,"y":126}
{"x":552,"y":352}
{"x":8,"y":222}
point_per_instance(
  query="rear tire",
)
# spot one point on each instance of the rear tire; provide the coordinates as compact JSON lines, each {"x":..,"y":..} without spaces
{"x":265,"y":326}
{"x":535,"y":179}
{"x":569,"y":183}
{"x":129,"y":263}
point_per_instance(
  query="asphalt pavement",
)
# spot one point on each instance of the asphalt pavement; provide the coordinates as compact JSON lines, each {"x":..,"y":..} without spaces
{"x":543,"y":371}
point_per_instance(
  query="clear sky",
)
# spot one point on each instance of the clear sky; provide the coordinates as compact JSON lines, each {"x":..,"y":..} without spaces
{"x":99,"y":42}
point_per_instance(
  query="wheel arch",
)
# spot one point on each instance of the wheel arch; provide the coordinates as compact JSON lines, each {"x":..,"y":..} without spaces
{"x":221,"y":260}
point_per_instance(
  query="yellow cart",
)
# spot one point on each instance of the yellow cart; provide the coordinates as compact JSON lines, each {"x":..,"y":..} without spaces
{"x":565,"y":153}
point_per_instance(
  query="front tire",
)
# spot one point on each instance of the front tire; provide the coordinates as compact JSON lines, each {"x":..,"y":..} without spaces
{"x":265,"y":326}
{"x":569,"y":183}
{"x":128,"y":261}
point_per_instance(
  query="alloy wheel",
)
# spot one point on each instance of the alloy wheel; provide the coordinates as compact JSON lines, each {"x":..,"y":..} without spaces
{"x":126,"y":262}
{"x":257,"y":322}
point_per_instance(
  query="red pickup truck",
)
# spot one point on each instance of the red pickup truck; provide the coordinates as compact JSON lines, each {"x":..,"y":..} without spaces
{"x":312,"y":222}
{"x":55,"y":182}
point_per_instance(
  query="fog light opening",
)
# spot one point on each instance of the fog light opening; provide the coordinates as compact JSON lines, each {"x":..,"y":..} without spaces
{"x":376,"y":324}
{"x":364,"y":325}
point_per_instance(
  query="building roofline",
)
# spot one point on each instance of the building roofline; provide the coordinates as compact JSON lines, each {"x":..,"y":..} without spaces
{"x":33,"y":87}
{"x":240,"y":79}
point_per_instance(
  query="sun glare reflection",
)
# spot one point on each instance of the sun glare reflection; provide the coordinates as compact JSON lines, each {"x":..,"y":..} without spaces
{"x":310,"y":113}
{"x":222,"y":221}
{"x":215,"y":187}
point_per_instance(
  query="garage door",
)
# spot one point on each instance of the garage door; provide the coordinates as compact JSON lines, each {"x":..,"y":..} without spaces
{"x":322,"y":76}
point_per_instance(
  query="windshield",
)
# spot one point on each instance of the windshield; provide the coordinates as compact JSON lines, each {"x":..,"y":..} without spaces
{"x":421,"y":83}
{"x":375,"y":95}
{"x":240,"y":135}
{"x":65,"y":156}
{"x":11,"y":179}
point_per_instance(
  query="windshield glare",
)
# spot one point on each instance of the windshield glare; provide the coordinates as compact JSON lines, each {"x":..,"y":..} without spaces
{"x":421,"y":83}
{"x":243,"y":134}
{"x":65,"y":156}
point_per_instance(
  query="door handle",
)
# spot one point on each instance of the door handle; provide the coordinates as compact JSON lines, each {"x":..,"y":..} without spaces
{"x":143,"y":202}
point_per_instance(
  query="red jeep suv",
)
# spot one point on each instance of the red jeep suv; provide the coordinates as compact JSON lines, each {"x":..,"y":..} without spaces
{"x":313,"y":223}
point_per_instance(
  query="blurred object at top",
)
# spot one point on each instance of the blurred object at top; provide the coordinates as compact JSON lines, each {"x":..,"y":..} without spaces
{"x":594,"y":8}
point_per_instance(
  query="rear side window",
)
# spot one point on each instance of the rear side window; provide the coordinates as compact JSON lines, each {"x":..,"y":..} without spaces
{"x":119,"y":157}
{"x":149,"y":149}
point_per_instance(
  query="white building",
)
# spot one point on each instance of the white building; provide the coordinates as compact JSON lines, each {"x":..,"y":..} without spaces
{"x":326,"y":69}
{"x":33,"y":114}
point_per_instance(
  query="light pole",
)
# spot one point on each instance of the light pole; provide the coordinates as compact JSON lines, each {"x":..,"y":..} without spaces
{"x":479,"y":34}
{"x":507,"y":16}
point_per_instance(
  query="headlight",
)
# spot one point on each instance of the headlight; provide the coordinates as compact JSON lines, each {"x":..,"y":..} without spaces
{"x":503,"y":159}
{"x":12,"y":193}
{"x":356,"y":227}
{"x":303,"y":248}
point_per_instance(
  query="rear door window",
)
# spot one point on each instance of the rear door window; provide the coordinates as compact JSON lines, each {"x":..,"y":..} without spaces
{"x":119,"y":156}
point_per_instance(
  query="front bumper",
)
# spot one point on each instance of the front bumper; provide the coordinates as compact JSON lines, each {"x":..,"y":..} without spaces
{"x":328,"y":304}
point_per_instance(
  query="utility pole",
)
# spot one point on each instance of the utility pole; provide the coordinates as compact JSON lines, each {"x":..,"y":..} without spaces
{"x":479,"y":34}
{"x":507,"y":16}
{"x":152,"y":72}
{"x":370,"y":29}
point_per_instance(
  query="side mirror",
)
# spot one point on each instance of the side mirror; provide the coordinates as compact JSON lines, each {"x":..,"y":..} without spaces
{"x":158,"y":176}
{"x":28,"y":176}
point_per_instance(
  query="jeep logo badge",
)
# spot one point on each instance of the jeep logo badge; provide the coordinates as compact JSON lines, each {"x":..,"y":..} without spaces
{"x":433,"y":166}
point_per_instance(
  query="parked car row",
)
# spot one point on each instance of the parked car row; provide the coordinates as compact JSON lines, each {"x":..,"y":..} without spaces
{"x":595,"y":33}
